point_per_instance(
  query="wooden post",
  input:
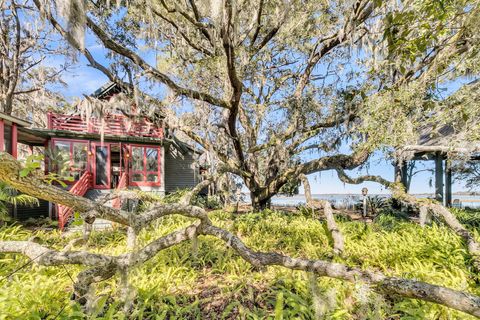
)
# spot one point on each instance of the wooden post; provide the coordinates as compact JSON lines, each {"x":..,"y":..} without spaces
{"x":448,"y":183}
{"x":405,"y":175}
{"x":364,"y":194}
{"x":439,"y":178}
{"x":49,"y":120}
{"x":2,"y":135}
{"x":14,"y":140}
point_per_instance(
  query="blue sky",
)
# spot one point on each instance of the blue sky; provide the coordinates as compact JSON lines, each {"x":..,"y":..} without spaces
{"x":84,"y":80}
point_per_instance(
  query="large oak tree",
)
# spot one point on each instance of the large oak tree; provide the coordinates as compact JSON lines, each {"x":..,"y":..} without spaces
{"x":276,"y":89}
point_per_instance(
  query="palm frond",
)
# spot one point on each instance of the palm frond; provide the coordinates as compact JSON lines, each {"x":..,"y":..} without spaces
{"x":25,"y":200}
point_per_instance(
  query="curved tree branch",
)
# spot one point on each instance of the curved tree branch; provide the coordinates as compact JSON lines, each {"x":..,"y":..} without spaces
{"x":398,"y":192}
{"x":338,"y":241}
{"x":105,"y":266}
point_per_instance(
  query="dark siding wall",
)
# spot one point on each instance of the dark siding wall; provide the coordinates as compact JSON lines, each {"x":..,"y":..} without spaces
{"x":25,"y":212}
{"x":179,"y":170}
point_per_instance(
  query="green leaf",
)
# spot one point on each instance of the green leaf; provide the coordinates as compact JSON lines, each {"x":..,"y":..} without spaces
{"x":24,"y":172}
{"x":279,"y":306}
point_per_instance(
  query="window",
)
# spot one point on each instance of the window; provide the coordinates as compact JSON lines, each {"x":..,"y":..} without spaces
{"x":69,"y":158}
{"x":145,"y":165}
{"x":7,"y":137}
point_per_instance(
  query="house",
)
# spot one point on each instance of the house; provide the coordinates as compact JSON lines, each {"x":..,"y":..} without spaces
{"x":102,"y":155}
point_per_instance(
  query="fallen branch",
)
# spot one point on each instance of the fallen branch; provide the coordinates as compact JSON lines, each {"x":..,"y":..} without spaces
{"x":424,"y":206}
{"x":338,"y":241}
{"x":103,"y":266}
{"x":108,"y":265}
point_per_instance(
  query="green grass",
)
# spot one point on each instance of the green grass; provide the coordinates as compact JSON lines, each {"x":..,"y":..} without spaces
{"x":220,"y":285}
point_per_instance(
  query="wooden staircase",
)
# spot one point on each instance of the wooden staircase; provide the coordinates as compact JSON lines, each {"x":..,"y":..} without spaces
{"x":79,"y":188}
{"x":122,"y":184}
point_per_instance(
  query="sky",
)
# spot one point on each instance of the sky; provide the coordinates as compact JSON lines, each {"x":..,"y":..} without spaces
{"x":84,"y":80}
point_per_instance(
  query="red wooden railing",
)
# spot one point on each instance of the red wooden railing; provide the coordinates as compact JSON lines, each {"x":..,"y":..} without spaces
{"x":79,"y":188}
{"x":112,"y":125}
{"x":122,"y":184}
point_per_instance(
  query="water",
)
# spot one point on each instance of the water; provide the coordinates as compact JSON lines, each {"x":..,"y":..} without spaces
{"x":348,"y":200}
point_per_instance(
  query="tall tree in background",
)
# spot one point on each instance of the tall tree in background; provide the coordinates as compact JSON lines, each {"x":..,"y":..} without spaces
{"x":27,"y":68}
{"x":468,"y":172}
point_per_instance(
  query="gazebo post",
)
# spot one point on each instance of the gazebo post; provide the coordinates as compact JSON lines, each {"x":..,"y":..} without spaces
{"x":405,"y":175}
{"x":439,"y":177}
{"x":448,"y":183}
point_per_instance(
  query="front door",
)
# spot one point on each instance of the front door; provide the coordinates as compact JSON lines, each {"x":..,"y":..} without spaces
{"x":101,"y":172}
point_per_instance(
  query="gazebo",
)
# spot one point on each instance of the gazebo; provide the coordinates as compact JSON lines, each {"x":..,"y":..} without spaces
{"x":437,"y":146}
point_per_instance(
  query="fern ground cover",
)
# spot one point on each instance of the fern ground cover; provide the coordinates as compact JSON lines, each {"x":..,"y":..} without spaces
{"x":218,"y":284}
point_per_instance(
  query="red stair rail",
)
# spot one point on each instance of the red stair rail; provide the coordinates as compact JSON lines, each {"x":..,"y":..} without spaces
{"x":79,"y":188}
{"x":122,"y":184}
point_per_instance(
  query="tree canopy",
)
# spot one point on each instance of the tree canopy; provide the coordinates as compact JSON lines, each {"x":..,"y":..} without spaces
{"x":32,"y":60}
{"x":277,"y":89}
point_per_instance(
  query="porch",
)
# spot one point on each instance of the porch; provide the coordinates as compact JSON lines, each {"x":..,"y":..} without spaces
{"x":113,"y":124}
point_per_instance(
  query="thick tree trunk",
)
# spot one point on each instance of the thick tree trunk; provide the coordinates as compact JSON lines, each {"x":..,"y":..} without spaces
{"x":260,"y":202}
{"x":6,"y":106}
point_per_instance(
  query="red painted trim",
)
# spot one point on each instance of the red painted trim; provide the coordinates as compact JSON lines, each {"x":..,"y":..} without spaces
{"x":14,"y":140}
{"x":49,"y":120}
{"x":126,"y":161}
{"x":2,"y":135}
{"x":144,"y":171}
{"x":46,"y":147}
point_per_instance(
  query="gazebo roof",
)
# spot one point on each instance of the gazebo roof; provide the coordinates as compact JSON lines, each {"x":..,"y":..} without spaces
{"x":442,"y":141}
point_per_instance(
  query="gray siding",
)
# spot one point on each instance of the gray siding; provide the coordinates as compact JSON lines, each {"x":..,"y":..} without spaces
{"x":180,"y":172}
{"x":27,"y":212}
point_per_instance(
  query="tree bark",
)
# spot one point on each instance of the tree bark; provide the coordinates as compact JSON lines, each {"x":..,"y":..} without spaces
{"x":338,"y":241}
{"x":260,"y":202}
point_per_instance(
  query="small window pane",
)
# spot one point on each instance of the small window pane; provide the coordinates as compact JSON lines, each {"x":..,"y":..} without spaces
{"x":137,"y":159}
{"x":7,"y":137}
{"x":138,"y":177}
{"x":80,"y":156}
{"x":101,"y":158}
{"x":152,"y":159}
{"x":61,"y":157}
{"x":152,"y":177}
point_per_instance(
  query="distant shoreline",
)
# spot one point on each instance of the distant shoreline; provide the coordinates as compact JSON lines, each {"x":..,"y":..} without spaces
{"x":461,"y":193}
